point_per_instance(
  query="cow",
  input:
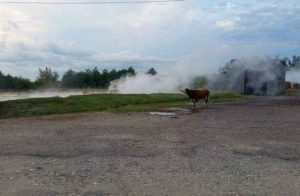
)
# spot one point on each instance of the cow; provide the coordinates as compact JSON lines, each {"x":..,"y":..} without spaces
{"x":195,"y":95}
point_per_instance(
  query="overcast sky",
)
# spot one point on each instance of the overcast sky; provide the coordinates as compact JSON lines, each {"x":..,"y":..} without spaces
{"x":202,"y":32}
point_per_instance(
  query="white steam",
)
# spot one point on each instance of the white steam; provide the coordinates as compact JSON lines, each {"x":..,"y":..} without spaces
{"x":144,"y":83}
{"x":169,"y":79}
{"x":15,"y":95}
{"x":262,"y":74}
{"x":172,"y":81}
{"x":255,"y":75}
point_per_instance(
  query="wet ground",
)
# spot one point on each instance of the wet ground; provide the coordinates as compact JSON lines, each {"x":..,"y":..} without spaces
{"x":251,"y":147}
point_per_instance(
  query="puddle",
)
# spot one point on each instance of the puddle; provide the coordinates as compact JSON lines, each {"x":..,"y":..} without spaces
{"x":180,"y":111}
{"x":163,"y":113}
{"x":172,"y":112}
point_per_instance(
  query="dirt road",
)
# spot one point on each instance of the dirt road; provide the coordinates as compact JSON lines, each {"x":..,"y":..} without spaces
{"x":246,"y":148}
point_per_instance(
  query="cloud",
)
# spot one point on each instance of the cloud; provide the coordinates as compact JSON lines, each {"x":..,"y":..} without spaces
{"x":201,"y":35}
{"x":63,"y":57}
{"x":225,"y":24}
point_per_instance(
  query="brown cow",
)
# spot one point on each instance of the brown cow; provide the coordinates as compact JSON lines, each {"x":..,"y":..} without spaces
{"x":195,"y":95}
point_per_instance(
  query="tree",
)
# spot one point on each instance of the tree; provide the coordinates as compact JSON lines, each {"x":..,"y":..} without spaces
{"x":151,"y":71}
{"x":96,"y":77}
{"x":227,"y":68}
{"x":70,"y":79}
{"x":8,"y":82}
{"x":293,"y":63}
{"x":47,"y":78}
{"x":93,"y":78}
{"x":131,"y":71}
{"x":286,"y":61}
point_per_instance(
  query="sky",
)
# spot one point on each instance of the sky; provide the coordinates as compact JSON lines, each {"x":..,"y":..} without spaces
{"x":192,"y":34}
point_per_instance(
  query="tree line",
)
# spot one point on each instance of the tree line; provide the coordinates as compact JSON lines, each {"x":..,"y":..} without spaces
{"x":93,"y":78}
{"x":8,"y":82}
{"x":89,"y":78}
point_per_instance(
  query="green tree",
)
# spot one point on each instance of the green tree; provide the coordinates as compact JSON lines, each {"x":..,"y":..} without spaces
{"x":151,"y":71}
{"x":47,"y":78}
{"x":105,"y":79}
{"x":96,"y":77}
{"x":93,"y":78}
{"x":293,"y":63}
{"x":70,"y":79}
{"x":131,"y":71}
{"x":8,"y":82}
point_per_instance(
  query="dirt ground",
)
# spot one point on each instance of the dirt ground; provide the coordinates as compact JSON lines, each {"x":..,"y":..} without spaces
{"x":249,"y":147}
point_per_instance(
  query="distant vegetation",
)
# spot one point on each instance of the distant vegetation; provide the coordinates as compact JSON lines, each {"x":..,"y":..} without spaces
{"x":8,"y":82}
{"x":47,"y":78}
{"x":151,"y":71}
{"x":293,"y":63}
{"x":93,"y":78}
{"x":70,"y":79}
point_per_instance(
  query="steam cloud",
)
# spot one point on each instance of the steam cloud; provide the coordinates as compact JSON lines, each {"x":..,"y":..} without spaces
{"x":6,"y":96}
{"x":143,"y":83}
{"x":177,"y":78}
{"x":257,"y":71}
{"x":182,"y":77}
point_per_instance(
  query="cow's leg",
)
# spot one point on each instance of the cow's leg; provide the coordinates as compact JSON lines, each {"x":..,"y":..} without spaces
{"x":207,"y":101}
{"x":194,"y":103}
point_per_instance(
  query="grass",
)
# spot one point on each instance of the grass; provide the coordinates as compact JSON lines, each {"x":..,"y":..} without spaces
{"x":102,"y":102}
{"x":292,"y":91}
{"x":220,"y":97}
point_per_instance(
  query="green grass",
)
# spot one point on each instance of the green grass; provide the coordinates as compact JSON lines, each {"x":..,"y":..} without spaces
{"x":220,"y":97}
{"x":103,"y":102}
{"x":292,"y":91}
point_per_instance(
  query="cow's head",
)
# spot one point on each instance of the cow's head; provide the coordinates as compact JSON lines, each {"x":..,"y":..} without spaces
{"x":184,"y":91}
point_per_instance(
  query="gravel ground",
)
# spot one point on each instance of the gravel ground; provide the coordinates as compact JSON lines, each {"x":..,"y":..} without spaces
{"x":244,"y":148}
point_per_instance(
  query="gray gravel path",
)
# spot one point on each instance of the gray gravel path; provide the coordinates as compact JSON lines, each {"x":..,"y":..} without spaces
{"x":244,"y":148}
